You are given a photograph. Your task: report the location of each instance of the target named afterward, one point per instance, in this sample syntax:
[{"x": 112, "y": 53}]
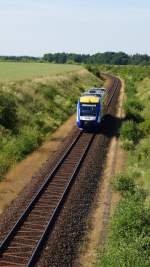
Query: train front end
[{"x": 88, "y": 111}]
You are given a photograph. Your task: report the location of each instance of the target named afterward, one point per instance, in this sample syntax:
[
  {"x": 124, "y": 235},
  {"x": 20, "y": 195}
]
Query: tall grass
[
  {"x": 36, "y": 108},
  {"x": 128, "y": 239}
]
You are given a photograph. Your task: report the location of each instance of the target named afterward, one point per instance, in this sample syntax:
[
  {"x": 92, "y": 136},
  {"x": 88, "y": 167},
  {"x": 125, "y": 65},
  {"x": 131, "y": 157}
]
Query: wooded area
[{"x": 113, "y": 58}]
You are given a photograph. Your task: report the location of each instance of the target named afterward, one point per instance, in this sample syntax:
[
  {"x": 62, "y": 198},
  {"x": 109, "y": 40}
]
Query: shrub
[
  {"x": 18, "y": 147},
  {"x": 5, "y": 136},
  {"x": 128, "y": 145},
  {"x": 131, "y": 131},
  {"x": 8, "y": 110},
  {"x": 124, "y": 183},
  {"x": 94, "y": 69},
  {"x": 145, "y": 126},
  {"x": 4, "y": 165},
  {"x": 134, "y": 103},
  {"x": 28, "y": 141},
  {"x": 130, "y": 88},
  {"x": 133, "y": 114},
  {"x": 48, "y": 92},
  {"x": 132, "y": 108}
]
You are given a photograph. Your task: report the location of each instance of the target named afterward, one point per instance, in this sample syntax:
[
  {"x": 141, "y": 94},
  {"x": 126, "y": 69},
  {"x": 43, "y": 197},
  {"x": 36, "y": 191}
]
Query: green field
[{"x": 12, "y": 71}]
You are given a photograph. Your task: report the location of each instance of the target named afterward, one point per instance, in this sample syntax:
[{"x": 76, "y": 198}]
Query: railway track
[{"x": 22, "y": 245}]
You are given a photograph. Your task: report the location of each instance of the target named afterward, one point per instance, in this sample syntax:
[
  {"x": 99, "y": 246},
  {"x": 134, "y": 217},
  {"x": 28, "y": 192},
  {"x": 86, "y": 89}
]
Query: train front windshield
[{"x": 88, "y": 110}]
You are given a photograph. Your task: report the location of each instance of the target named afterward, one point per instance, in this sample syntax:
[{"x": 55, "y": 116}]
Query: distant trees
[
  {"x": 20, "y": 59},
  {"x": 57, "y": 58},
  {"x": 113, "y": 58},
  {"x": 66, "y": 58},
  {"x": 138, "y": 59}
]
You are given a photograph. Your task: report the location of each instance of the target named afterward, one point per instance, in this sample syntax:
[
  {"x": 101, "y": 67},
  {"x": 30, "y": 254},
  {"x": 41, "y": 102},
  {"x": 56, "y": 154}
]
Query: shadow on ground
[{"x": 109, "y": 126}]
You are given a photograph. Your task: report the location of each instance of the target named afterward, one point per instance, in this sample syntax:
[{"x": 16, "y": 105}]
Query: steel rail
[
  {"x": 56, "y": 211},
  {"x": 11, "y": 233},
  {"x": 59, "y": 206}
]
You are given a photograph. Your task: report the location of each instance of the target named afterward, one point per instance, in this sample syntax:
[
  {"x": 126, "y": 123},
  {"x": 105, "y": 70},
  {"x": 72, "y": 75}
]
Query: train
[{"x": 90, "y": 107}]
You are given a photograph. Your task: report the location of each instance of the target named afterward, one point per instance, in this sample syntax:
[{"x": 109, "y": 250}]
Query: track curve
[{"x": 22, "y": 244}]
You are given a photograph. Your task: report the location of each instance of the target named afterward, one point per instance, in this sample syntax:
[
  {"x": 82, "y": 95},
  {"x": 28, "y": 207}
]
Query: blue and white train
[{"x": 90, "y": 108}]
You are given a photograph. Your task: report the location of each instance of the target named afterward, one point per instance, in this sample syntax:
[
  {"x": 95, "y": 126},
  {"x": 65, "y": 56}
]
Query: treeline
[
  {"x": 113, "y": 58},
  {"x": 20, "y": 58}
]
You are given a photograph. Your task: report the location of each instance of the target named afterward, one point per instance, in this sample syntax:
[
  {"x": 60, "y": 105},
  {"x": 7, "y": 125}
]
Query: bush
[
  {"x": 145, "y": 126},
  {"x": 28, "y": 141},
  {"x": 8, "y": 110},
  {"x": 132, "y": 109},
  {"x": 48, "y": 92},
  {"x": 4, "y": 165},
  {"x": 94, "y": 69},
  {"x": 131, "y": 131},
  {"x": 18, "y": 147},
  {"x": 124, "y": 183},
  {"x": 133, "y": 114},
  {"x": 134, "y": 103},
  {"x": 130, "y": 88},
  {"x": 128, "y": 145}
]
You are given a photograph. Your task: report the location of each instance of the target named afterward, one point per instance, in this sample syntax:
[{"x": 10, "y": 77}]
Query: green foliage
[
  {"x": 133, "y": 108},
  {"x": 28, "y": 141},
  {"x": 8, "y": 110},
  {"x": 133, "y": 114},
  {"x": 134, "y": 103},
  {"x": 124, "y": 183},
  {"x": 130, "y": 88},
  {"x": 116, "y": 58},
  {"x": 17, "y": 147},
  {"x": 131, "y": 131},
  {"x": 145, "y": 126},
  {"x": 94, "y": 69},
  {"x": 128, "y": 241},
  {"x": 4, "y": 166}
]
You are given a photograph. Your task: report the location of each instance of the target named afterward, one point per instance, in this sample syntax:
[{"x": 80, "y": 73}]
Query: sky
[{"x": 36, "y": 27}]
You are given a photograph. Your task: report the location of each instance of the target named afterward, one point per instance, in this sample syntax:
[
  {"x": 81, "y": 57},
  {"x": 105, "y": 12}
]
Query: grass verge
[{"x": 128, "y": 240}]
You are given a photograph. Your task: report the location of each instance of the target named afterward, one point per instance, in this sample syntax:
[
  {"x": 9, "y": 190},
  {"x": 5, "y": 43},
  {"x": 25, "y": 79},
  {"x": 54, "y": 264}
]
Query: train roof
[
  {"x": 98, "y": 88},
  {"x": 89, "y": 99},
  {"x": 98, "y": 91}
]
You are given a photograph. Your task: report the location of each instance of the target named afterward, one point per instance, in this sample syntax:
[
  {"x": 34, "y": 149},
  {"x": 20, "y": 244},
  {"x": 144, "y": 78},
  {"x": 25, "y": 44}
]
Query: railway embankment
[{"x": 38, "y": 107}]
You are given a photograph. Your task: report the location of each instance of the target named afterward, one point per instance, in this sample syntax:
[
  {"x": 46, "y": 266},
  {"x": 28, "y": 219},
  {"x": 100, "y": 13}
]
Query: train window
[{"x": 87, "y": 110}]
